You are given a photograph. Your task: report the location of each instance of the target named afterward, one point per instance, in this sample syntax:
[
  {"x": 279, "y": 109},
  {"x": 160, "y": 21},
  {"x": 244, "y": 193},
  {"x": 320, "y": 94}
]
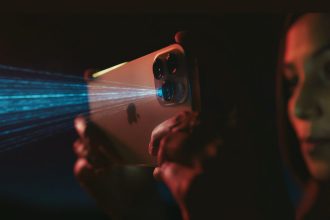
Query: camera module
[
  {"x": 172, "y": 62},
  {"x": 158, "y": 69}
]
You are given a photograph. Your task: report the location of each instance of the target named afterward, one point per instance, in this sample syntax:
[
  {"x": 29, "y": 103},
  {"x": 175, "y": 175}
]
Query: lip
[{"x": 313, "y": 142}]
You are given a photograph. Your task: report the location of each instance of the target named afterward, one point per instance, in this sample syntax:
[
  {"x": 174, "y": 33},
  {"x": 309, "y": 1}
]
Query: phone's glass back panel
[{"x": 127, "y": 102}]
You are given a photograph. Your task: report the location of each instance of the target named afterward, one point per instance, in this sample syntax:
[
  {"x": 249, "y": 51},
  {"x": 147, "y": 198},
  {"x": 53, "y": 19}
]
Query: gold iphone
[{"x": 129, "y": 100}]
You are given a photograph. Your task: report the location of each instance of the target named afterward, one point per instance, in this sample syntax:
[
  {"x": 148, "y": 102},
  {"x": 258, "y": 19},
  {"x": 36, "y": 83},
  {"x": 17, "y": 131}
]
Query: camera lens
[
  {"x": 158, "y": 69},
  {"x": 168, "y": 90},
  {"x": 172, "y": 62},
  {"x": 179, "y": 92}
]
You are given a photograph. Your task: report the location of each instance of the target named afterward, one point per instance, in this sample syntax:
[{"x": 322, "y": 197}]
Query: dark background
[{"x": 37, "y": 180}]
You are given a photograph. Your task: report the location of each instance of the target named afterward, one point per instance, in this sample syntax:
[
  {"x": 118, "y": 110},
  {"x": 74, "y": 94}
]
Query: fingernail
[
  {"x": 157, "y": 174},
  {"x": 80, "y": 124}
]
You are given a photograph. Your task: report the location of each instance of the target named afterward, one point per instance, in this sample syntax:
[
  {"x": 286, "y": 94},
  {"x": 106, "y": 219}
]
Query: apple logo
[{"x": 132, "y": 115}]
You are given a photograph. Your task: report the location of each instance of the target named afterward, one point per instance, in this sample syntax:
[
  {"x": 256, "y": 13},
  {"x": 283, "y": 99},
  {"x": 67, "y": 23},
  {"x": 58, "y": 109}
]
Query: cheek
[
  {"x": 319, "y": 169},
  {"x": 291, "y": 104},
  {"x": 295, "y": 122},
  {"x": 301, "y": 127}
]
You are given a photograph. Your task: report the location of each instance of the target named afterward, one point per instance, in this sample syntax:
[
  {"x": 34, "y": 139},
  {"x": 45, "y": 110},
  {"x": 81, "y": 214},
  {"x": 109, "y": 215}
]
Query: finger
[
  {"x": 181, "y": 37},
  {"x": 97, "y": 158},
  {"x": 83, "y": 170},
  {"x": 92, "y": 152},
  {"x": 161, "y": 157},
  {"x": 173, "y": 148},
  {"x": 157, "y": 173},
  {"x": 162, "y": 130},
  {"x": 187, "y": 121},
  {"x": 112, "y": 156},
  {"x": 158, "y": 133},
  {"x": 102, "y": 142},
  {"x": 177, "y": 147},
  {"x": 170, "y": 171},
  {"x": 79, "y": 148},
  {"x": 80, "y": 125},
  {"x": 188, "y": 40},
  {"x": 106, "y": 150},
  {"x": 178, "y": 178},
  {"x": 174, "y": 173},
  {"x": 182, "y": 115}
]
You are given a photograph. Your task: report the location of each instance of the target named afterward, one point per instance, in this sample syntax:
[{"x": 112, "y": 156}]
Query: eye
[
  {"x": 291, "y": 79},
  {"x": 291, "y": 83}
]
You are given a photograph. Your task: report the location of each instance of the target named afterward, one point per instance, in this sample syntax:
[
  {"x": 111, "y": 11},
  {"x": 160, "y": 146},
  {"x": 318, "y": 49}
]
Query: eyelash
[{"x": 291, "y": 83}]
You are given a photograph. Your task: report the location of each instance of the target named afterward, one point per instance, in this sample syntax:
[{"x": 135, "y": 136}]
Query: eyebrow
[
  {"x": 317, "y": 53},
  {"x": 321, "y": 50}
]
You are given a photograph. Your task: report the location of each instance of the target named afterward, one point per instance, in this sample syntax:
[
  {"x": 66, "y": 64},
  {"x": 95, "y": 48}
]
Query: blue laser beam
[
  {"x": 20, "y": 83},
  {"x": 33, "y": 136},
  {"x": 45, "y": 101},
  {"x": 38, "y": 104},
  {"x": 51, "y": 121},
  {"x": 7, "y": 68},
  {"x": 41, "y": 132},
  {"x": 62, "y": 111},
  {"x": 12, "y": 118}
]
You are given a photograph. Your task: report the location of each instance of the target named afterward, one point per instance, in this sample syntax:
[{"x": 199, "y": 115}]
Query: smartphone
[{"x": 127, "y": 101}]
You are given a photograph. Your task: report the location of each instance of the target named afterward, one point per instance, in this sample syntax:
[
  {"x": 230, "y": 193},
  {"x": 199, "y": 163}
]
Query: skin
[
  {"x": 122, "y": 192},
  {"x": 307, "y": 67},
  {"x": 166, "y": 143},
  {"x": 178, "y": 166},
  {"x": 179, "y": 163}
]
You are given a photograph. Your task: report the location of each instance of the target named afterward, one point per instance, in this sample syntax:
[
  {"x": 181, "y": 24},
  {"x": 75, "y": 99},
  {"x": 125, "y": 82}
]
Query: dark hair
[{"x": 288, "y": 142}]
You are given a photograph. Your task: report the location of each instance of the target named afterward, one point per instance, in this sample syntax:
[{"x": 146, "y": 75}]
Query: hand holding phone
[
  {"x": 127, "y": 101},
  {"x": 172, "y": 156},
  {"x": 123, "y": 192}
]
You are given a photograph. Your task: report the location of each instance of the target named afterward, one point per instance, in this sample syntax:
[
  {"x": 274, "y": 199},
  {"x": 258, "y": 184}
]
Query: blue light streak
[
  {"x": 38, "y": 104},
  {"x": 159, "y": 92}
]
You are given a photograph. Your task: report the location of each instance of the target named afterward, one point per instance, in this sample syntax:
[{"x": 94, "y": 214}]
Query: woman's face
[{"x": 307, "y": 68}]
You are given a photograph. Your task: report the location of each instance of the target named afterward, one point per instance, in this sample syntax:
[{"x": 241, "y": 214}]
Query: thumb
[{"x": 177, "y": 177}]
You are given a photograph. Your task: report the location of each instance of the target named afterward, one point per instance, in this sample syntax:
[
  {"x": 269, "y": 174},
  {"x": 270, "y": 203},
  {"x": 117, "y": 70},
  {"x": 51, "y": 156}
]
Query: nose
[{"x": 307, "y": 106}]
